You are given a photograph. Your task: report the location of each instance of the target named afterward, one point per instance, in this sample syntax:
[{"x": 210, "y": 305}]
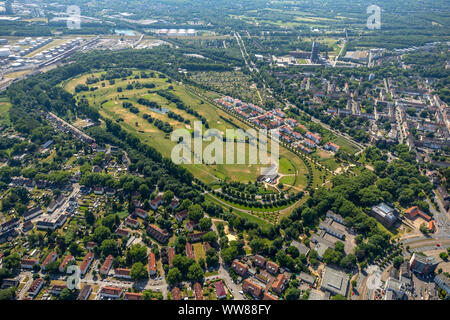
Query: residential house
[
  {"x": 180, "y": 216},
  {"x": 10, "y": 224},
  {"x": 8, "y": 283},
  {"x": 313, "y": 136},
  {"x": 86, "y": 263},
  {"x": 193, "y": 237},
  {"x": 310, "y": 143},
  {"x": 85, "y": 292},
  {"x": 66, "y": 260},
  {"x": 220, "y": 290},
  {"x": 259, "y": 261},
  {"x": 176, "y": 293},
  {"x": 268, "y": 296},
  {"x": 240, "y": 268},
  {"x": 332, "y": 146},
  {"x": 174, "y": 204},
  {"x": 189, "y": 251},
  {"x": 111, "y": 292},
  {"x": 198, "y": 291},
  {"x": 27, "y": 226},
  {"x": 170, "y": 255},
  {"x": 90, "y": 245},
  {"x": 122, "y": 273},
  {"x": 35, "y": 287},
  {"x": 52, "y": 256},
  {"x": 158, "y": 233},
  {"x": 272, "y": 267},
  {"x": 133, "y": 296},
  {"x": 110, "y": 191},
  {"x": 28, "y": 263},
  {"x": 57, "y": 289},
  {"x": 191, "y": 225},
  {"x": 32, "y": 213},
  {"x": 132, "y": 222},
  {"x": 99, "y": 190},
  {"x": 252, "y": 288},
  {"x": 123, "y": 233},
  {"x": 280, "y": 283},
  {"x": 106, "y": 266},
  {"x": 141, "y": 213},
  {"x": 156, "y": 202},
  {"x": 152, "y": 264}
]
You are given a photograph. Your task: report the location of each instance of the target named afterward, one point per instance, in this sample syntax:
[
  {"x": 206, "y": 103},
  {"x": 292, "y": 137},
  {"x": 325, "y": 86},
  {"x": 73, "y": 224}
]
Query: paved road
[
  {"x": 442, "y": 218},
  {"x": 25, "y": 288},
  {"x": 223, "y": 274}
]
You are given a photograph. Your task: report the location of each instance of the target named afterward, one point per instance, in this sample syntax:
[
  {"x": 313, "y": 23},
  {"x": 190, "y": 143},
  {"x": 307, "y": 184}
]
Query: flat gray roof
[{"x": 335, "y": 281}]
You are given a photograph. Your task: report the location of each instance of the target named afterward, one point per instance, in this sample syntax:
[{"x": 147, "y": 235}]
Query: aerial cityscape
[{"x": 224, "y": 150}]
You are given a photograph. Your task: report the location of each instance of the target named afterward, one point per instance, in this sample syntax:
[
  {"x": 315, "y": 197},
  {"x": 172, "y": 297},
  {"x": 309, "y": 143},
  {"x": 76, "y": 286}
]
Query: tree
[
  {"x": 338, "y": 297},
  {"x": 257, "y": 245},
  {"x": 90, "y": 218},
  {"x": 210, "y": 237},
  {"x": 182, "y": 263},
  {"x": 149, "y": 295},
  {"x": 168, "y": 196},
  {"x": 292, "y": 294},
  {"x": 5, "y": 273},
  {"x": 137, "y": 253},
  {"x": 138, "y": 271},
  {"x": 293, "y": 251},
  {"x": 12, "y": 261},
  {"x": 205, "y": 224},
  {"x": 212, "y": 259},
  {"x": 195, "y": 212},
  {"x": 52, "y": 267},
  {"x": 398, "y": 262},
  {"x": 8, "y": 294},
  {"x": 101, "y": 233},
  {"x": 75, "y": 249},
  {"x": 109, "y": 221},
  {"x": 174, "y": 276},
  {"x": 443, "y": 255},
  {"x": 348, "y": 262},
  {"x": 144, "y": 190},
  {"x": 109, "y": 246},
  {"x": 424, "y": 229},
  {"x": 67, "y": 294},
  {"x": 195, "y": 272}
]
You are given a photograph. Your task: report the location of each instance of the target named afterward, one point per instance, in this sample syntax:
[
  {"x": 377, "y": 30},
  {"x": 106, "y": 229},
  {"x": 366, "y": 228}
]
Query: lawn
[
  {"x": 4, "y": 111},
  {"x": 286, "y": 166},
  {"x": 199, "y": 252}
]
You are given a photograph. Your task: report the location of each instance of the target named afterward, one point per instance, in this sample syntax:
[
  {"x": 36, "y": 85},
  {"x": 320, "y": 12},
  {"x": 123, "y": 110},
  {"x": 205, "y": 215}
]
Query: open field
[
  {"x": 199, "y": 252},
  {"x": 4, "y": 111}
]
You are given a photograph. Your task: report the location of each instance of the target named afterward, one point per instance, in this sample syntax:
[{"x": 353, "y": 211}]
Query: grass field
[
  {"x": 4, "y": 112},
  {"x": 109, "y": 103},
  {"x": 199, "y": 252}
]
